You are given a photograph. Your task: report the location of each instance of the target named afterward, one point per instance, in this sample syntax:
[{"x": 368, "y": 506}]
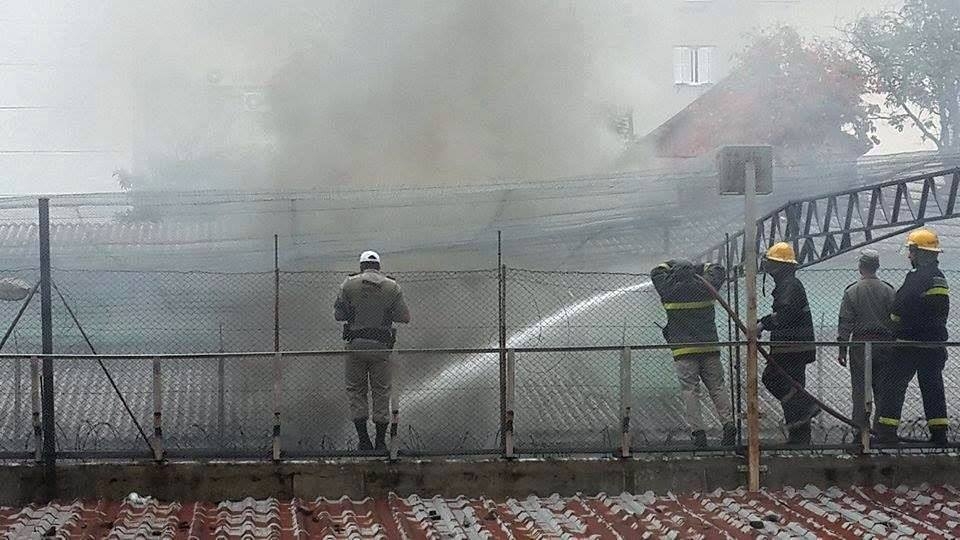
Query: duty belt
[{"x": 387, "y": 336}]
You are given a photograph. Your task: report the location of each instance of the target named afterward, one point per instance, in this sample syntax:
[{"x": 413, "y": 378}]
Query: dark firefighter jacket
[
  {"x": 921, "y": 305},
  {"x": 689, "y": 305},
  {"x": 790, "y": 321}
]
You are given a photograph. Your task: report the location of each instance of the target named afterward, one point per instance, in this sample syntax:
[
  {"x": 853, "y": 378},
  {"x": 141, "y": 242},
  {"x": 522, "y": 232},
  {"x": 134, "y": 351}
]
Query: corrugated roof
[{"x": 922, "y": 512}]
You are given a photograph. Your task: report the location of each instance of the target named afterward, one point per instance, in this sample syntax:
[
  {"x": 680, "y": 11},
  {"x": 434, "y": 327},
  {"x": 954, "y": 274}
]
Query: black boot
[
  {"x": 729, "y": 435},
  {"x": 381, "y": 437},
  {"x": 362, "y": 435},
  {"x": 799, "y": 434},
  {"x": 886, "y": 434},
  {"x": 938, "y": 435},
  {"x": 699, "y": 438},
  {"x": 807, "y": 409}
]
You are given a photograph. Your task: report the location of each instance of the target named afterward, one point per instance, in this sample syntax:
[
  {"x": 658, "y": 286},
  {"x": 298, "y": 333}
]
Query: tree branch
[{"x": 926, "y": 132}]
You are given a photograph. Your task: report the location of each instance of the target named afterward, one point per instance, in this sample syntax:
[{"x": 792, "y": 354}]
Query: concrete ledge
[{"x": 215, "y": 481}]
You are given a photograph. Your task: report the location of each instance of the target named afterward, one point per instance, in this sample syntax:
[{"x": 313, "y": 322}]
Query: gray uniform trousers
[
  {"x": 374, "y": 368},
  {"x": 708, "y": 368}
]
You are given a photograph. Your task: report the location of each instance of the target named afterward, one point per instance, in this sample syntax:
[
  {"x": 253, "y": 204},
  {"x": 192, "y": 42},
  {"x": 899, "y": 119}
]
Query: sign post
[{"x": 748, "y": 171}]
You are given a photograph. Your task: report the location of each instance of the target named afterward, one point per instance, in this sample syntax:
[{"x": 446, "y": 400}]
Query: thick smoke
[
  {"x": 459, "y": 91},
  {"x": 409, "y": 92}
]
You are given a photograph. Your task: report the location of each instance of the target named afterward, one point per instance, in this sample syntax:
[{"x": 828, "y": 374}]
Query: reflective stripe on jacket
[{"x": 688, "y": 304}]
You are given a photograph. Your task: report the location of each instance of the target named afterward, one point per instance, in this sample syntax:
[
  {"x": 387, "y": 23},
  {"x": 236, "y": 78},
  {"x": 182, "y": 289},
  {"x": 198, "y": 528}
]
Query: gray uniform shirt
[
  {"x": 371, "y": 300},
  {"x": 865, "y": 310}
]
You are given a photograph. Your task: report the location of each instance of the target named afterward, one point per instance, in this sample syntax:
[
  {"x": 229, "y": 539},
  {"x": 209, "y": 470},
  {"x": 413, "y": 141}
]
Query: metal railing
[{"x": 277, "y": 405}]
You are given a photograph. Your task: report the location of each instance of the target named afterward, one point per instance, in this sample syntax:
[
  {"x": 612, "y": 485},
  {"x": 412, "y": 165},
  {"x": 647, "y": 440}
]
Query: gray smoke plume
[{"x": 392, "y": 93}]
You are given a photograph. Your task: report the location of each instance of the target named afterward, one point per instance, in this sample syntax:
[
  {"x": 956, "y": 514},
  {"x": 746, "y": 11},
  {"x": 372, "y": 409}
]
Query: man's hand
[{"x": 842, "y": 360}]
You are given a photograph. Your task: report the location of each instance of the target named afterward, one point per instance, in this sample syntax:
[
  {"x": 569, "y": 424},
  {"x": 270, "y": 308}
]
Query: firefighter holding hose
[
  {"x": 691, "y": 324},
  {"x": 790, "y": 325}
]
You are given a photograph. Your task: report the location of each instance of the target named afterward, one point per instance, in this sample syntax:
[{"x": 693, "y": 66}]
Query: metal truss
[{"x": 825, "y": 226}]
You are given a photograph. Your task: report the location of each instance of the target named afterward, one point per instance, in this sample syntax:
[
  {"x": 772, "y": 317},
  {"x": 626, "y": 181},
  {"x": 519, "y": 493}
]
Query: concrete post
[
  {"x": 867, "y": 396},
  {"x": 35, "y": 405},
  {"x": 509, "y": 403},
  {"x": 157, "y": 442},
  {"x": 277, "y": 375},
  {"x": 394, "y": 445},
  {"x": 625, "y": 401}
]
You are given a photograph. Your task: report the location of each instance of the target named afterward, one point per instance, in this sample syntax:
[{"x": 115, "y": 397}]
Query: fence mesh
[
  {"x": 566, "y": 401},
  {"x": 831, "y": 382}
]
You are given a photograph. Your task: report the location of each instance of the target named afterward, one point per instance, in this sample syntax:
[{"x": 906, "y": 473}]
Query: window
[{"x": 692, "y": 65}]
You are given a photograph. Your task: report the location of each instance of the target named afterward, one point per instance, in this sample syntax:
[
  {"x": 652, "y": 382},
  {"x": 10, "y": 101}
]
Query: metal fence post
[
  {"x": 157, "y": 442},
  {"x": 221, "y": 374},
  {"x": 221, "y": 398},
  {"x": 737, "y": 362},
  {"x": 46, "y": 323},
  {"x": 867, "y": 396},
  {"x": 502, "y": 331},
  {"x": 277, "y": 374},
  {"x": 508, "y": 402},
  {"x": 728, "y": 268},
  {"x": 35, "y": 405},
  {"x": 276, "y": 292},
  {"x": 626, "y": 394},
  {"x": 17, "y": 397}
]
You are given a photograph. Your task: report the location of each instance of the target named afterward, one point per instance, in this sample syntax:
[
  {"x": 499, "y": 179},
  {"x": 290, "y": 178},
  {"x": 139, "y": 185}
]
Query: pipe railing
[{"x": 621, "y": 435}]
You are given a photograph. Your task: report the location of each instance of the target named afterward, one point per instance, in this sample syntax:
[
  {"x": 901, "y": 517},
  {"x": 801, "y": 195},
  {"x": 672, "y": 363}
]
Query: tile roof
[{"x": 922, "y": 512}]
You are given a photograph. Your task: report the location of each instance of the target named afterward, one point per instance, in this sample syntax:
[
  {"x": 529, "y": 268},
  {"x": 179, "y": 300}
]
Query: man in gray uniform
[
  {"x": 864, "y": 316},
  {"x": 369, "y": 303}
]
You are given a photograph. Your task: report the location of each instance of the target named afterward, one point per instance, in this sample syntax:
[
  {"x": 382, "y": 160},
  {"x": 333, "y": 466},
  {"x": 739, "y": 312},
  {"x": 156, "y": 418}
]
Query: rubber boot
[
  {"x": 699, "y": 438},
  {"x": 808, "y": 409},
  {"x": 886, "y": 434},
  {"x": 381, "y": 437},
  {"x": 362, "y": 435},
  {"x": 938, "y": 435},
  {"x": 729, "y": 434},
  {"x": 799, "y": 434}
]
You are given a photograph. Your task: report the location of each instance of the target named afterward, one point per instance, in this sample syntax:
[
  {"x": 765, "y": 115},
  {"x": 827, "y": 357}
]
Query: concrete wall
[{"x": 191, "y": 481}]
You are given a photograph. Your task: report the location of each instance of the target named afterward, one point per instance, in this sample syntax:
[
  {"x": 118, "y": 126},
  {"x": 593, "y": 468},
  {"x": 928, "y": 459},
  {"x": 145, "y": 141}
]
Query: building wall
[{"x": 724, "y": 25}]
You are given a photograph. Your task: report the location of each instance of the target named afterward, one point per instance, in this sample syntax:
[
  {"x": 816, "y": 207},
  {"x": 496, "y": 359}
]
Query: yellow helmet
[
  {"x": 782, "y": 252},
  {"x": 924, "y": 239}
]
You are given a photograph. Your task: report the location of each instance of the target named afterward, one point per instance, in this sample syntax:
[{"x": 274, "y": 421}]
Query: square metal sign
[{"x": 732, "y": 165}]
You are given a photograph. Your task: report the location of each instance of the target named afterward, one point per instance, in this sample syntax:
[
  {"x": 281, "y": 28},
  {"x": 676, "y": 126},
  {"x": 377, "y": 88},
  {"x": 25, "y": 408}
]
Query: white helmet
[{"x": 370, "y": 257}]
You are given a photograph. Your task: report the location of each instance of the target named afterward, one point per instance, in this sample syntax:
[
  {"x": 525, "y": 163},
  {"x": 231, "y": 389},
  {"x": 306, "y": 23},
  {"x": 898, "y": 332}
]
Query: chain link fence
[{"x": 567, "y": 400}]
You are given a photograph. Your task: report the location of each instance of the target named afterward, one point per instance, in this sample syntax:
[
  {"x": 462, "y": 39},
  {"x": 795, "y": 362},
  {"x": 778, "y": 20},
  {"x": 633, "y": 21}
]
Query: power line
[
  {"x": 31, "y": 107},
  {"x": 63, "y": 151}
]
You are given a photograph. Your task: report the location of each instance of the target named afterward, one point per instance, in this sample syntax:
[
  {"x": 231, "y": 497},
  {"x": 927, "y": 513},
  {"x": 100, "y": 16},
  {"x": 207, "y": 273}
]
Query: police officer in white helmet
[{"x": 369, "y": 303}]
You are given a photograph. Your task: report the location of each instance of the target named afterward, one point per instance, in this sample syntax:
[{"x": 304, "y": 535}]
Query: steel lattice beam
[{"x": 825, "y": 226}]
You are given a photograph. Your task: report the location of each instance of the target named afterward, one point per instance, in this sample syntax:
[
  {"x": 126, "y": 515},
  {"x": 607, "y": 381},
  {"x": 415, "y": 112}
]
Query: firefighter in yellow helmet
[
  {"x": 790, "y": 325},
  {"x": 919, "y": 315}
]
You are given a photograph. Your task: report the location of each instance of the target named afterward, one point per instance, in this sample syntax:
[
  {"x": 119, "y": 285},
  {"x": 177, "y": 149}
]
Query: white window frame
[{"x": 693, "y": 65}]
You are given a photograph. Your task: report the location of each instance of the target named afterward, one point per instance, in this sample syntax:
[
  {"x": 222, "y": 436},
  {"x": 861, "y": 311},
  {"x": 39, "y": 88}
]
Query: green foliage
[
  {"x": 810, "y": 90},
  {"x": 912, "y": 56}
]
